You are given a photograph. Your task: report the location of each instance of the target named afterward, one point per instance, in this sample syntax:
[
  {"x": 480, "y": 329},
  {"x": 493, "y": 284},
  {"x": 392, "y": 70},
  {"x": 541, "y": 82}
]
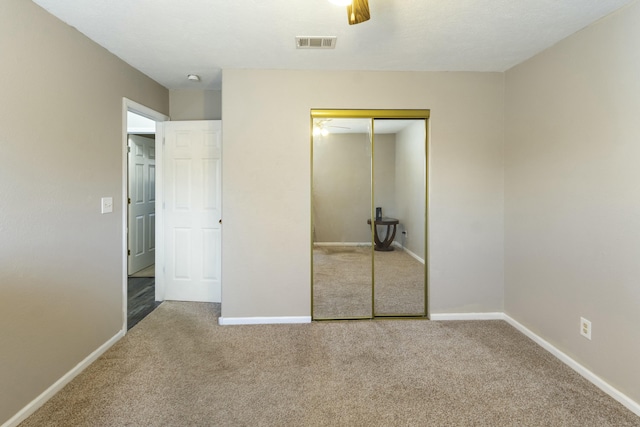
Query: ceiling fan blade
[{"x": 358, "y": 12}]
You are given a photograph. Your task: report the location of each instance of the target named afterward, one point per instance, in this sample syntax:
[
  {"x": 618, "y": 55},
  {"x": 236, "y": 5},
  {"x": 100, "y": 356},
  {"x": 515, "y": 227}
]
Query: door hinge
[
  {"x": 128, "y": 251},
  {"x": 129, "y": 200},
  {"x": 128, "y": 149}
]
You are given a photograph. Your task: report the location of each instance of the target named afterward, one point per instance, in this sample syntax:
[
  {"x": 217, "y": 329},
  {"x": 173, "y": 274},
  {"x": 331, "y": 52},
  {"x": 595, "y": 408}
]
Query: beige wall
[
  {"x": 572, "y": 209},
  {"x": 266, "y": 182},
  {"x": 194, "y": 104},
  {"x": 410, "y": 187},
  {"x": 60, "y": 151},
  {"x": 342, "y": 185}
]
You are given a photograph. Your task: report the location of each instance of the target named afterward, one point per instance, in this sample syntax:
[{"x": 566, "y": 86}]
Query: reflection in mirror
[
  {"x": 369, "y": 213},
  {"x": 341, "y": 200},
  {"x": 400, "y": 196}
]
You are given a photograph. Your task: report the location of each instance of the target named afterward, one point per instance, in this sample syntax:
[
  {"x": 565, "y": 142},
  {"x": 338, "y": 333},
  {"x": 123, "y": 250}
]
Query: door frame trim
[{"x": 134, "y": 107}]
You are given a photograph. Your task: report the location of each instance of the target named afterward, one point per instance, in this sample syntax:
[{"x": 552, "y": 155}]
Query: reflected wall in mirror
[
  {"x": 341, "y": 201},
  {"x": 369, "y": 192}
]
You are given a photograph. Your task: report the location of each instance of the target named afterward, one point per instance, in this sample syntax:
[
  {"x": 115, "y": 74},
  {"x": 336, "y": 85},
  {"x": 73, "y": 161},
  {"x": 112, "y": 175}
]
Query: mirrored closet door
[
  {"x": 369, "y": 210},
  {"x": 341, "y": 203}
]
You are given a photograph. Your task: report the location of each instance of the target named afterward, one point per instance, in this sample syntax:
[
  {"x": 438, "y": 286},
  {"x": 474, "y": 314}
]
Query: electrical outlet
[
  {"x": 585, "y": 328},
  {"x": 405, "y": 233}
]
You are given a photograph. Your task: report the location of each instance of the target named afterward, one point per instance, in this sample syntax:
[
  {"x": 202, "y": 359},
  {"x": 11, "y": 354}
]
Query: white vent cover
[{"x": 312, "y": 42}]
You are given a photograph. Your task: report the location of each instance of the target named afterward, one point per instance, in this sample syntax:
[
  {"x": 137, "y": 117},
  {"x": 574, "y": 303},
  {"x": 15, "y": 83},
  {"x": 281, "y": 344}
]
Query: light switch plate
[{"x": 107, "y": 205}]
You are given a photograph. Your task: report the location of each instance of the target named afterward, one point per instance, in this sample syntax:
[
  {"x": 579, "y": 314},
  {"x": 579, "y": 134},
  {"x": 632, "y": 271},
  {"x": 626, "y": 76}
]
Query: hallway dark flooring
[{"x": 140, "y": 299}]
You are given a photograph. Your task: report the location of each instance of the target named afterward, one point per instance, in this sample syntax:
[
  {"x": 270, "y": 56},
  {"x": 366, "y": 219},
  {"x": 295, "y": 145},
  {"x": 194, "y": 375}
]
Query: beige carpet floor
[
  {"x": 342, "y": 283},
  {"x": 177, "y": 367}
]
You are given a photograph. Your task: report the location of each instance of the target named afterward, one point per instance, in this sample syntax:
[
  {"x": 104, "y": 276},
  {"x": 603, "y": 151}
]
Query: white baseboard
[
  {"x": 223, "y": 321},
  {"x": 593, "y": 378},
  {"x": 466, "y": 316},
  {"x": 342, "y": 244},
  {"x": 410, "y": 253},
  {"x": 58, "y": 385}
]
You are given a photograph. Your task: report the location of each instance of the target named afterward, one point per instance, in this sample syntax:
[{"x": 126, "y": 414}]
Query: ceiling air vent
[{"x": 308, "y": 42}]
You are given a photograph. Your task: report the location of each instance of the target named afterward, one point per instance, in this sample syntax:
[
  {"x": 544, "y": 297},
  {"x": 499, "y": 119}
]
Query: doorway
[
  {"x": 140, "y": 165},
  {"x": 141, "y": 146}
]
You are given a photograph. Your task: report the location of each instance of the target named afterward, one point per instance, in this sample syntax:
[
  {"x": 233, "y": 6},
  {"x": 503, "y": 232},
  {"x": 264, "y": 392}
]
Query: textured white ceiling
[{"x": 168, "y": 39}]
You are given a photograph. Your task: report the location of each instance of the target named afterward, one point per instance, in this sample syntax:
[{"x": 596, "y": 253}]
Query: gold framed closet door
[{"x": 369, "y": 203}]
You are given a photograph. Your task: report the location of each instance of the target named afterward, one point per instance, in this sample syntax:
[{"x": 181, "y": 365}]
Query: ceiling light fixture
[
  {"x": 193, "y": 78},
  {"x": 319, "y": 130},
  {"x": 358, "y": 12}
]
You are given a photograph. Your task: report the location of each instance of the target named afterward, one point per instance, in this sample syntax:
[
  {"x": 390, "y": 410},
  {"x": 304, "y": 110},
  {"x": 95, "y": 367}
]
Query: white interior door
[
  {"x": 192, "y": 214},
  {"x": 142, "y": 202}
]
